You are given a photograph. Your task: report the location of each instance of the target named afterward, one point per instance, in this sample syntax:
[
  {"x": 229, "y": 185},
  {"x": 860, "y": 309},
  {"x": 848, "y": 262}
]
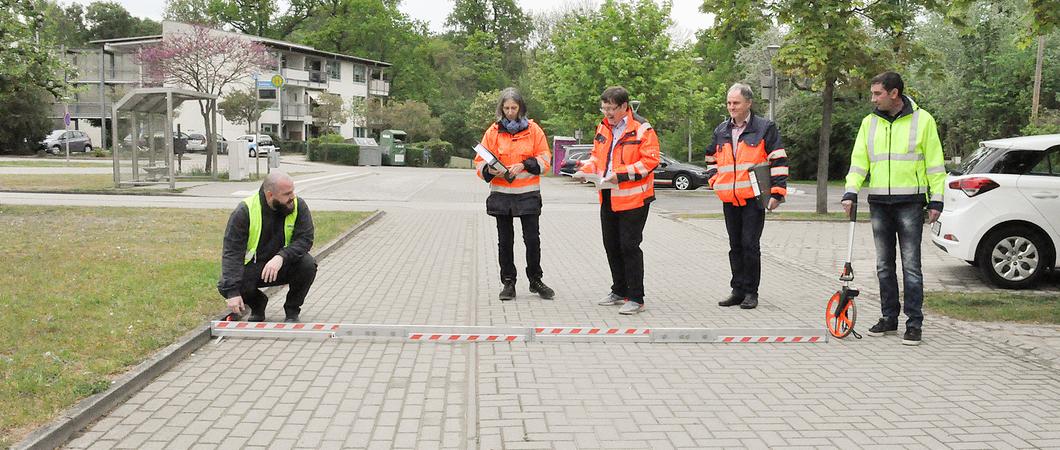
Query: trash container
[
  {"x": 392, "y": 143},
  {"x": 274, "y": 158}
]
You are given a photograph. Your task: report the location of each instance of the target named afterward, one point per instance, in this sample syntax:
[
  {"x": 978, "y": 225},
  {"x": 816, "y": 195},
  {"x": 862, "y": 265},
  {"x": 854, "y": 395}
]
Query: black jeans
[
  {"x": 901, "y": 224},
  {"x": 298, "y": 274},
  {"x": 506, "y": 246},
  {"x": 623, "y": 232},
  {"x": 744, "y": 225}
]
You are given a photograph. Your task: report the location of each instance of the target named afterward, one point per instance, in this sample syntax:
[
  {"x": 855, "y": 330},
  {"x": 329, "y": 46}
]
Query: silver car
[
  {"x": 197, "y": 143},
  {"x": 56, "y": 142}
]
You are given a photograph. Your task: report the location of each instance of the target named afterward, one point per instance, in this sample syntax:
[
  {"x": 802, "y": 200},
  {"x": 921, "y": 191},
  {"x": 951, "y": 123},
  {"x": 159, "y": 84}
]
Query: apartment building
[{"x": 105, "y": 73}]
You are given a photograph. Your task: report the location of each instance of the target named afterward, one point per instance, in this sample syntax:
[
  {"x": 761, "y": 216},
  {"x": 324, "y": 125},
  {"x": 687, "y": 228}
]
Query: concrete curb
[{"x": 71, "y": 421}]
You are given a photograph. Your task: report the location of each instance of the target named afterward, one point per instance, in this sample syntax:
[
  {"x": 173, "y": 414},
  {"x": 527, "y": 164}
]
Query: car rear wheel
[
  {"x": 88, "y": 148},
  {"x": 683, "y": 182},
  {"x": 253, "y": 153},
  {"x": 1013, "y": 257}
]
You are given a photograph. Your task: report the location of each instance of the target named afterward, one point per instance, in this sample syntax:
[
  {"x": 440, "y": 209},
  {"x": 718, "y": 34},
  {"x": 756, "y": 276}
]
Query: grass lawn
[
  {"x": 999, "y": 306},
  {"x": 788, "y": 216},
  {"x": 87, "y": 293},
  {"x": 57, "y": 182},
  {"x": 45, "y": 163}
]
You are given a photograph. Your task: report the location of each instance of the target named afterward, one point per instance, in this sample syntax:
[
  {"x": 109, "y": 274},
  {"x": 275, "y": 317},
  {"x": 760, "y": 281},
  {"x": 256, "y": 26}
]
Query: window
[
  {"x": 268, "y": 128},
  {"x": 267, "y": 94},
  {"x": 360, "y": 132},
  {"x": 1019, "y": 162},
  {"x": 358, "y": 73},
  {"x": 1054, "y": 160},
  {"x": 334, "y": 70}
]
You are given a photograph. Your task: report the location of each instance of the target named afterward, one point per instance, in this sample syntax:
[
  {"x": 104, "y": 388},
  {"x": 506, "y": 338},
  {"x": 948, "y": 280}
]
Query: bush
[
  {"x": 347, "y": 154},
  {"x": 313, "y": 148},
  {"x": 287, "y": 147},
  {"x": 438, "y": 150}
]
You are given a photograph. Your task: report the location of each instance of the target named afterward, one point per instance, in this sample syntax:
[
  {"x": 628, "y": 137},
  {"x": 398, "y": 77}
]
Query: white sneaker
[
  {"x": 631, "y": 308},
  {"x": 612, "y": 300}
]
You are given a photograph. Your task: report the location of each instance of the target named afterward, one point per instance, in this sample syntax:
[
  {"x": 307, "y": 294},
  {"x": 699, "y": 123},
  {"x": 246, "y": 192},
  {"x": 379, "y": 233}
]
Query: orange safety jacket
[
  {"x": 727, "y": 168},
  {"x": 529, "y": 147},
  {"x": 635, "y": 157}
]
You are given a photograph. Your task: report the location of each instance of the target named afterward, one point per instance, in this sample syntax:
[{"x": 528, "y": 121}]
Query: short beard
[{"x": 281, "y": 208}]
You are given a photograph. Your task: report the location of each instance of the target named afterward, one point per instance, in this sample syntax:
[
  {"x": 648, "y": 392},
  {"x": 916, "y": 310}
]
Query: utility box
[
  {"x": 392, "y": 142},
  {"x": 239, "y": 160},
  {"x": 274, "y": 159}
]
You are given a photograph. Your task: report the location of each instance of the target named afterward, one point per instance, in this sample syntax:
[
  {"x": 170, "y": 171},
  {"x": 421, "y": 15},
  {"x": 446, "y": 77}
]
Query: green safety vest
[
  {"x": 254, "y": 235},
  {"x": 904, "y": 157}
]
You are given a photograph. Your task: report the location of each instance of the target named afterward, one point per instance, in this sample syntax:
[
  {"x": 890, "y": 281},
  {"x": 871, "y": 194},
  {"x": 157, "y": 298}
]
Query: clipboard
[
  {"x": 493, "y": 162},
  {"x": 760, "y": 183}
]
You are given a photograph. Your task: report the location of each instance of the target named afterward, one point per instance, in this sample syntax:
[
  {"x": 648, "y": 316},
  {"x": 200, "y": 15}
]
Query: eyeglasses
[{"x": 609, "y": 109}]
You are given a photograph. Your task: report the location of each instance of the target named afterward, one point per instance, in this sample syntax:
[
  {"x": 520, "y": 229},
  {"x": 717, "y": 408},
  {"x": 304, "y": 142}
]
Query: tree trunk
[
  {"x": 1036, "y": 95},
  {"x": 828, "y": 103},
  {"x": 205, "y": 111}
]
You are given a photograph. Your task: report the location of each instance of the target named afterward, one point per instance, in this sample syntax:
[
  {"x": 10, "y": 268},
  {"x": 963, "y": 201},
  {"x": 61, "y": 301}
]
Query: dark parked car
[
  {"x": 56, "y": 141},
  {"x": 682, "y": 176}
]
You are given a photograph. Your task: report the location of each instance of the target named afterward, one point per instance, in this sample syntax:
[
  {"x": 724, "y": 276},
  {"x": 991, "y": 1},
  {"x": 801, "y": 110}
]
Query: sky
[{"x": 685, "y": 12}]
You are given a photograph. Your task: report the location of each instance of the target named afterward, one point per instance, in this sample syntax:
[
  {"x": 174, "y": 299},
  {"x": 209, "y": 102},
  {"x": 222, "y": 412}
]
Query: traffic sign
[
  {"x": 278, "y": 80},
  {"x": 66, "y": 119}
]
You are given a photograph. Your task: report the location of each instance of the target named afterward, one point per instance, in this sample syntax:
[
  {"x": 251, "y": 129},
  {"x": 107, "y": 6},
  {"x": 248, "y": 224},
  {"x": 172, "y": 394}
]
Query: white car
[
  {"x": 1002, "y": 210},
  {"x": 260, "y": 146}
]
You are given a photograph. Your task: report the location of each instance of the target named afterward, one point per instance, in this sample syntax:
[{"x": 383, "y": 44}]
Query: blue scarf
[{"x": 514, "y": 126}]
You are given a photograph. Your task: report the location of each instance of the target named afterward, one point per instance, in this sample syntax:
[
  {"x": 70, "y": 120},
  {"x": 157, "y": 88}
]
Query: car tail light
[{"x": 974, "y": 186}]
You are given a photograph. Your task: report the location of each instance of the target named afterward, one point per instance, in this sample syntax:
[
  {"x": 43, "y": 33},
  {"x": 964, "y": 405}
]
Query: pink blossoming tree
[{"x": 203, "y": 60}]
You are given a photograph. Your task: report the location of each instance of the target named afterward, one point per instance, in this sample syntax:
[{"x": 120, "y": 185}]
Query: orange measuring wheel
[{"x": 841, "y": 314}]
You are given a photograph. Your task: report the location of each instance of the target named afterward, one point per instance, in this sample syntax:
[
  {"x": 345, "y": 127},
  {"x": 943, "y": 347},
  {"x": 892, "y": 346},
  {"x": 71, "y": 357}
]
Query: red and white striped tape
[
  {"x": 768, "y": 339},
  {"x": 586, "y": 331},
  {"x": 443, "y": 337},
  {"x": 323, "y": 327}
]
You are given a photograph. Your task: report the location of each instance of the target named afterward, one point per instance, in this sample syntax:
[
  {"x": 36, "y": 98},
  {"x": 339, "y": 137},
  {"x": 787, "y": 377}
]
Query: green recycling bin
[{"x": 393, "y": 144}]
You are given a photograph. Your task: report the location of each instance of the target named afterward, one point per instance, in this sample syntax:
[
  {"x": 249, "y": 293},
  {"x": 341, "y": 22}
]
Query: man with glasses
[{"x": 625, "y": 152}]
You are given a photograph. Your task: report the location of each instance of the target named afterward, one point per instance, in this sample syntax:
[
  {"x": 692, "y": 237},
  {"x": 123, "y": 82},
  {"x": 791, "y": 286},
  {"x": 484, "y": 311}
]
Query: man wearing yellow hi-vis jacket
[{"x": 898, "y": 150}]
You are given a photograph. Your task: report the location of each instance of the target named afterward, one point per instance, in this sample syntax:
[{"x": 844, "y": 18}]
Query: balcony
[
  {"x": 297, "y": 111},
  {"x": 82, "y": 110},
  {"x": 379, "y": 87},
  {"x": 306, "y": 78}
]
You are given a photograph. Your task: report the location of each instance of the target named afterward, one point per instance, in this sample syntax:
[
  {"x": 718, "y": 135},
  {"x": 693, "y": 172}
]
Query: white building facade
[{"x": 308, "y": 73}]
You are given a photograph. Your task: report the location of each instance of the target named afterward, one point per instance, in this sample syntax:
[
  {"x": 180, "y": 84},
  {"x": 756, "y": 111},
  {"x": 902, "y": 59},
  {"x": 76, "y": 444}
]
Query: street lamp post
[{"x": 772, "y": 49}]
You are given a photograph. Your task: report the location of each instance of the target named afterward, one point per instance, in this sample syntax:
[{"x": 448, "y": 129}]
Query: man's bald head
[
  {"x": 279, "y": 191},
  {"x": 277, "y": 181}
]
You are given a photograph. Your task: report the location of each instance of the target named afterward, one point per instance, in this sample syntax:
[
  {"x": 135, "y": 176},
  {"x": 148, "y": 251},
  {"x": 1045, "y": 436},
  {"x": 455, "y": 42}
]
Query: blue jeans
[{"x": 904, "y": 223}]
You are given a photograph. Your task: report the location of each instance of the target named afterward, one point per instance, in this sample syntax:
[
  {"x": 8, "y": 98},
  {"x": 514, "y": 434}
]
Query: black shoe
[
  {"x": 508, "y": 292},
  {"x": 538, "y": 287},
  {"x": 292, "y": 318},
  {"x": 884, "y": 326},
  {"x": 256, "y": 317},
  {"x": 750, "y": 301},
  {"x": 911, "y": 337},
  {"x": 733, "y": 300}
]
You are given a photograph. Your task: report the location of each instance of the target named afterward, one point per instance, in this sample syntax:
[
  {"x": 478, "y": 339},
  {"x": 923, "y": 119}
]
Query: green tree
[
  {"x": 414, "y": 117},
  {"x": 109, "y": 20},
  {"x": 30, "y": 73},
  {"x": 64, "y": 25},
  {"x": 571, "y": 70},
  {"x": 498, "y": 24},
  {"x": 329, "y": 111},
  {"x": 482, "y": 112},
  {"x": 243, "y": 107},
  {"x": 192, "y": 11},
  {"x": 826, "y": 44}
]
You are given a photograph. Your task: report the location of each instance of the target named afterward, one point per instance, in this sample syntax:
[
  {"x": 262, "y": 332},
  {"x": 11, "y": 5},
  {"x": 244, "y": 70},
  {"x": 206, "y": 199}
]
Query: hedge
[{"x": 347, "y": 154}]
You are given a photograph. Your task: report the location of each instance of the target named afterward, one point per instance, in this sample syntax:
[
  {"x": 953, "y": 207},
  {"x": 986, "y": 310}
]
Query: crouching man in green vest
[{"x": 267, "y": 244}]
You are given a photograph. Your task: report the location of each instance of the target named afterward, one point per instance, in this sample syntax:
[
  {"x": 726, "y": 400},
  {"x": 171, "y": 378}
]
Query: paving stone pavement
[{"x": 959, "y": 389}]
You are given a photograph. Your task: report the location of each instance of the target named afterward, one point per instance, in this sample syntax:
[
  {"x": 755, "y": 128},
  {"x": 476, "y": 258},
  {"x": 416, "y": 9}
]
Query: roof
[
  {"x": 274, "y": 43},
  {"x": 153, "y": 100},
  {"x": 1040, "y": 142}
]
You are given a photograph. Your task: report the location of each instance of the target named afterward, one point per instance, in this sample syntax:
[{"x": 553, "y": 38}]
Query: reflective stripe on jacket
[
  {"x": 254, "y": 235},
  {"x": 727, "y": 168},
  {"x": 903, "y": 155},
  {"x": 635, "y": 157},
  {"x": 521, "y": 196}
]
